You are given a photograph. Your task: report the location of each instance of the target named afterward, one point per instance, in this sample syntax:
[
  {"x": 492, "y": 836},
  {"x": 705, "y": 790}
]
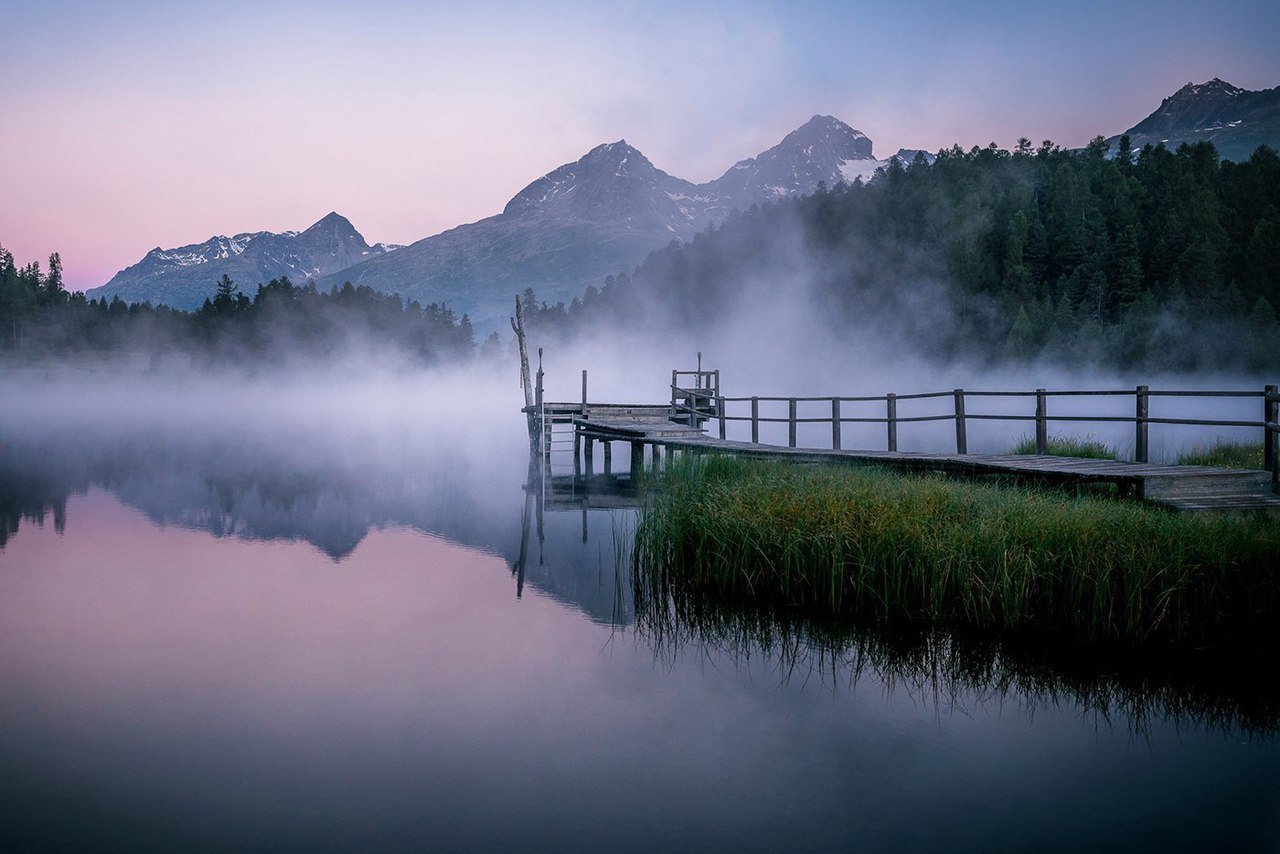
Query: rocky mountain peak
[
  {"x": 1215, "y": 88},
  {"x": 1235, "y": 120},
  {"x": 824, "y": 150},
  {"x": 1198, "y": 107},
  {"x": 330, "y": 222},
  {"x": 593, "y": 184},
  {"x": 830, "y": 133}
]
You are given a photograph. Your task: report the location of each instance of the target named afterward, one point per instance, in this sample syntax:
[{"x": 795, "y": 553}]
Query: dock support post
[
  {"x": 892, "y": 403},
  {"x": 584, "y": 392},
  {"x": 657, "y": 457},
  {"x": 1042, "y": 422},
  {"x": 637, "y": 461},
  {"x": 577, "y": 453},
  {"x": 608, "y": 457},
  {"x": 962, "y": 441},
  {"x": 835, "y": 423},
  {"x": 791, "y": 423},
  {"x": 1270, "y": 415},
  {"x": 755, "y": 420},
  {"x": 587, "y": 462},
  {"x": 1143, "y": 410},
  {"x": 673, "y": 395}
]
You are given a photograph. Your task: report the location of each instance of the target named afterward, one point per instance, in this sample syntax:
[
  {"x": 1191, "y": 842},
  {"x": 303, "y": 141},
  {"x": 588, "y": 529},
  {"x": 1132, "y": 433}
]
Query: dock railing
[
  {"x": 695, "y": 396},
  {"x": 961, "y": 413}
]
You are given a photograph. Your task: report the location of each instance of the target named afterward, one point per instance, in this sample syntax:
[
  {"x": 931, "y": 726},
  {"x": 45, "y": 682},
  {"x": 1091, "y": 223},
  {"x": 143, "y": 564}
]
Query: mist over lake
[{"x": 249, "y": 612}]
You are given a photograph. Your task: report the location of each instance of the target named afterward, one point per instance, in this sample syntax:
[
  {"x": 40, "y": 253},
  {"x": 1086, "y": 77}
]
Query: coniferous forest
[
  {"x": 41, "y": 318},
  {"x": 1150, "y": 259},
  {"x": 1153, "y": 259}
]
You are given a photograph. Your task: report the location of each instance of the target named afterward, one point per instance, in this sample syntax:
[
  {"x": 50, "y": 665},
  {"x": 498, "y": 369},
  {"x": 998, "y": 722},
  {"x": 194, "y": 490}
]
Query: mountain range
[
  {"x": 603, "y": 214},
  {"x": 185, "y": 276},
  {"x": 599, "y": 215}
]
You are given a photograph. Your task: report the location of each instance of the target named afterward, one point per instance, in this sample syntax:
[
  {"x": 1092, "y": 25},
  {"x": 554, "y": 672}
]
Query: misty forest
[{"x": 1150, "y": 259}]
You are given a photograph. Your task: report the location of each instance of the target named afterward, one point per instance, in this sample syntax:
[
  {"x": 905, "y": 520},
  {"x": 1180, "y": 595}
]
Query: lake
[{"x": 266, "y": 620}]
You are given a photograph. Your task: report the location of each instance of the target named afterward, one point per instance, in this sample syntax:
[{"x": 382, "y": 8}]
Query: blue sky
[{"x": 131, "y": 125}]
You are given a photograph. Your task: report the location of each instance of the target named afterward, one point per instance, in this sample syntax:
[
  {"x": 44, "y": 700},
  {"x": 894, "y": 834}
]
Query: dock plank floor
[{"x": 1190, "y": 488}]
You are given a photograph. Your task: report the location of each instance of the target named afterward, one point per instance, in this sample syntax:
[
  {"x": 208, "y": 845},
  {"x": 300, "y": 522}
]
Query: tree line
[
  {"x": 1152, "y": 259},
  {"x": 38, "y": 316}
]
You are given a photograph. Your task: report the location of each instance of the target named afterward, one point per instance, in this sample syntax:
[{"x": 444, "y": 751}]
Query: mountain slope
[
  {"x": 1235, "y": 120},
  {"x": 185, "y": 276},
  {"x": 599, "y": 215}
]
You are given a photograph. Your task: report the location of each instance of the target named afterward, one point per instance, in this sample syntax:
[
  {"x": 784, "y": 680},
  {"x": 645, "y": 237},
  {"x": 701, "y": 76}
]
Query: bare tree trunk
[
  {"x": 535, "y": 418},
  {"x": 517, "y": 326}
]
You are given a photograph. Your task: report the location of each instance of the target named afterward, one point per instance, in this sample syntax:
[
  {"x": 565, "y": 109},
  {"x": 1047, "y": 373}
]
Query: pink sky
[{"x": 142, "y": 125}]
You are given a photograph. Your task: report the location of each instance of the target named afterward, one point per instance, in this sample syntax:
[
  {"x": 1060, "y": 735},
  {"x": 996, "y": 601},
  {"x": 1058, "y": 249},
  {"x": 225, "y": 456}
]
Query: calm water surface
[{"x": 327, "y": 649}]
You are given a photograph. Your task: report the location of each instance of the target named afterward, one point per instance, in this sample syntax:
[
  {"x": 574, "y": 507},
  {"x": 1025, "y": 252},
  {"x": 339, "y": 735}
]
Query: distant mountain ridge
[
  {"x": 601, "y": 214},
  {"x": 183, "y": 277},
  {"x": 1235, "y": 120}
]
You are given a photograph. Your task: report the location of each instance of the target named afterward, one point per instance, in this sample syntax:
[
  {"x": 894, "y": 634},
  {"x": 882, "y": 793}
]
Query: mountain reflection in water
[{"x": 214, "y": 648}]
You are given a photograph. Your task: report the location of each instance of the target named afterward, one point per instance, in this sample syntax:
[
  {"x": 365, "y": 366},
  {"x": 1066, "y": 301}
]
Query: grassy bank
[{"x": 924, "y": 548}]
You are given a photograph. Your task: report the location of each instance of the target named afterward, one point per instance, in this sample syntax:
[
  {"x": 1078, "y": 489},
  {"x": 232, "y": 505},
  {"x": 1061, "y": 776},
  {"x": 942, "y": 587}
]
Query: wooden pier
[{"x": 696, "y": 403}]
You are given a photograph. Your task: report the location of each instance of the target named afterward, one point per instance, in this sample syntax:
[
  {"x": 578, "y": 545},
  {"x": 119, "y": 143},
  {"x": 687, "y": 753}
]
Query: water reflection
[
  {"x": 1216, "y": 690},
  {"x": 332, "y": 496},
  {"x": 573, "y": 544},
  {"x": 230, "y": 649}
]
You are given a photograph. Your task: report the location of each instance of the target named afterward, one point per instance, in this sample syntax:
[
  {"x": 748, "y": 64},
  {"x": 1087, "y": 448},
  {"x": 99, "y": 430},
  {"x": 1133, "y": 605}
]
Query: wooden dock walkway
[{"x": 677, "y": 427}]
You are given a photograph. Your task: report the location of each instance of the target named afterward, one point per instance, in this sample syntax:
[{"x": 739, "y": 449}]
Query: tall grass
[
  {"x": 1069, "y": 446},
  {"x": 1231, "y": 455},
  {"x": 924, "y": 548}
]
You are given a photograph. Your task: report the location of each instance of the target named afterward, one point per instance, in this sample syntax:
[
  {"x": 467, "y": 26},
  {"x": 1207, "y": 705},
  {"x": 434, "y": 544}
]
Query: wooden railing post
[
  {"x": 717, "y": 376},
  {"x": 892, "y": 401},
  {"x": 755, "y": 420},
  {"x": 835, "y": 423},
  {"x": 1042, "y": 422},
  {"x": 720, "y": 412},
  {"x": 584, "y": 392},
  {"x": 962, "y": 442},
  {"x": 1140, "y": 452},
  {"x": 1270, "y": 415},
  {"x": 673, "y": 393},
  {"x": 791, "y": 423},
  {"x": 1275, "y": 460},
  {"x": 544, "y": 446}
]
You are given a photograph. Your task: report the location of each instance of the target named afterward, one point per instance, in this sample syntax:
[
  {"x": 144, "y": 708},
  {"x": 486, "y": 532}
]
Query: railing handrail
[
  {"x": 1141, "y": 418},
  {"x": 968, "y": 393}
]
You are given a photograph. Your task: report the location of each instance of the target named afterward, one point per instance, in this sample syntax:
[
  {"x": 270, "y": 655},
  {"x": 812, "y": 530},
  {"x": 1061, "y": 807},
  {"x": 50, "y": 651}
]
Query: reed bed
[{"x": 912, "y": 548}]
